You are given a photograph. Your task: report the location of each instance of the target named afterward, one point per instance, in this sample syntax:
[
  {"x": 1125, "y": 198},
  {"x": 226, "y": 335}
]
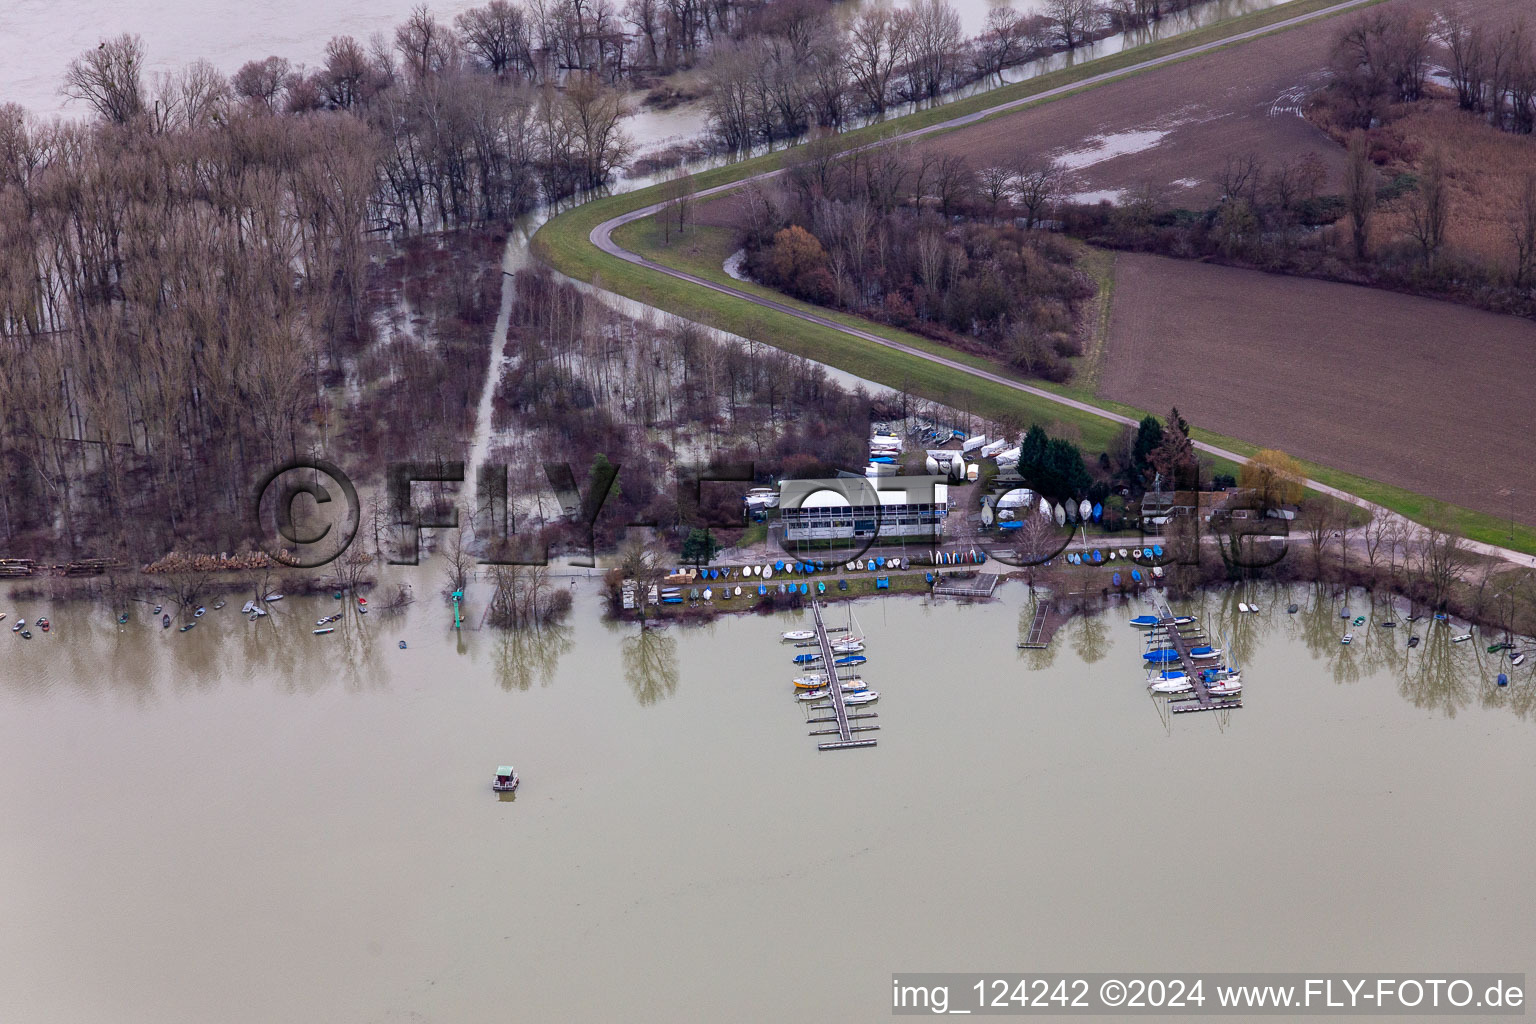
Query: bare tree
[
  {"x": 498, "y": 37},
  {"x": 110, "y": 78},
  {"x": 262, "y": 81},
  {"x": 1440, "y": 560},
  {"x": 1038, "y": 185},
  {"x": 1359, "y": 192},
  {"x": 995, "y": 186},
  {"x": 1073, "y": 20},
  {"x": 1522, "y": 230},
  {"x": 426, "y": 46},
  {"x": 1428, "y": 207},
  {"x": 876, "y": 41}
]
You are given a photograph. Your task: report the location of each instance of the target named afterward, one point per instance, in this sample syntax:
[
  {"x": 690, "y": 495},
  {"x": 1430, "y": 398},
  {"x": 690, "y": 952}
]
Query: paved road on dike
[{"x": 602, "y": 237}]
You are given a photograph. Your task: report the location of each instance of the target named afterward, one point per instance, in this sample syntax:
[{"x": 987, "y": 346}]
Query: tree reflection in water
[
  {"x": 529, "y": 655},
  {"x": 650, "y": 665},
  {"x": 1090, "y": 634}
]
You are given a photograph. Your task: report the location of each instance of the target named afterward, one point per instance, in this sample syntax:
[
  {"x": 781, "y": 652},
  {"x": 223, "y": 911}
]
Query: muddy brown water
[{"x": 250, "y": 823}]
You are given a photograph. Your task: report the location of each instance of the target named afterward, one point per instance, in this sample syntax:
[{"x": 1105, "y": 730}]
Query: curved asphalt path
[{"x": 602, "y": 237}]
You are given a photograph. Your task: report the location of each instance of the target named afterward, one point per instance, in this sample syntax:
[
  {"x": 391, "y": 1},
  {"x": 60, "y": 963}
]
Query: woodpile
[
  {"x": 16, "y": 567},
  {"x": 222, "y": 562},
  {"x": 91, "y": 567}
]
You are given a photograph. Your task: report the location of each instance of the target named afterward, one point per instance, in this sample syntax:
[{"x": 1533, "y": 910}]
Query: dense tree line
[
  {"x": 876, "y": 233},
  {"x": 793, "y": 64}
]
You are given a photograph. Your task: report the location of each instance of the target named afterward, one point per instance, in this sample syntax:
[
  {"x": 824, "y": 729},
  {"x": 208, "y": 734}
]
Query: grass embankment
[{"x": 564, "y": 242}]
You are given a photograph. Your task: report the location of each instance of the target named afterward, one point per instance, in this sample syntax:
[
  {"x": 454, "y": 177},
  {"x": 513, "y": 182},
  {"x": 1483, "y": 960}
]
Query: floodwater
[{"x": 247, "y": 823}]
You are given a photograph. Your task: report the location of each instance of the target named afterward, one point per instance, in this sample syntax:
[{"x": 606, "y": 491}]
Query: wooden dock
[
  {"x": 981, "y": 586},
  {"x": 845, "y": 729},
  {"x": 1035, "y": 640}
]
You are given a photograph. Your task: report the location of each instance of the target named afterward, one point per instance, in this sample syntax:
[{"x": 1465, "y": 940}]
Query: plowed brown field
[{"x": 1430, "y": 396}]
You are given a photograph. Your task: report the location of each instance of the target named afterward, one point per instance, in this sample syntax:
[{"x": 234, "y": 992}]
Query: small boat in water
[
  {"x": 506, "y": 780},
  {"x": 1173, "y": 684},
  {"x": 853, "y": 700},
  {"x": 852, "y": 659},
  {"x": 1144, "y": 621},
  {"x": 848, "y": 647},
  {"x": 1162, "y": 656},
  {"x": 822, "y": 694},
  {"x": 1225, "y": 687},
  {"x": 1204, "y": 653},
  {"x": 1461, "y": 639}
]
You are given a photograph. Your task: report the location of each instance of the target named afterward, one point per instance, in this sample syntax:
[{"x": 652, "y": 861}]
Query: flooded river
[{"x": 250, "y": 823}]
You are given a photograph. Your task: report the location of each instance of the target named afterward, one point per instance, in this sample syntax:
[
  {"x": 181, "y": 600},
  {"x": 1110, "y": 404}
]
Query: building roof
[{"x": 889, "y": 490}]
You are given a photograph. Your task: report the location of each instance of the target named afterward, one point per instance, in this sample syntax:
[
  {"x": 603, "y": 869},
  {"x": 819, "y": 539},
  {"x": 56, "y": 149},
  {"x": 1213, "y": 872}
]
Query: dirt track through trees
[{"x": 1429, "y": 396}]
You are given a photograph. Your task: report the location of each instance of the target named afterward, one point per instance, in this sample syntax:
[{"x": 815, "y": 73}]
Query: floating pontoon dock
[
  {"x": 1193, "y": 670},
  {"x": 840, "y": 715}
]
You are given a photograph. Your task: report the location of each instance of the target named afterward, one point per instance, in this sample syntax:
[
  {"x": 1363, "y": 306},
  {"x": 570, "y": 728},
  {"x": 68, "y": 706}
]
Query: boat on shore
[
  {"x": 323, "y": 630},
  {"x": 1348, "y": 638},
  {"x": 1461, "y": 639}
]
